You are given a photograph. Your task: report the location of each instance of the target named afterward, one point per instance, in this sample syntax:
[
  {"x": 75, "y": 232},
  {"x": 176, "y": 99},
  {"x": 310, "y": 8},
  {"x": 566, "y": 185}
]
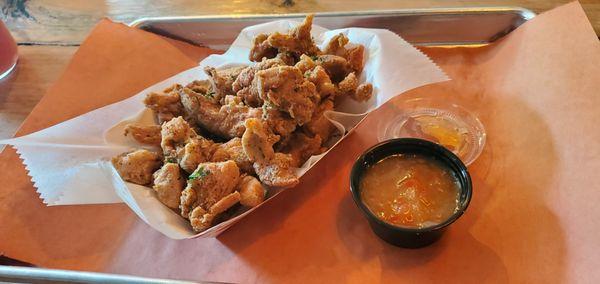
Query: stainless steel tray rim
[{"x": 526, "y": 13}]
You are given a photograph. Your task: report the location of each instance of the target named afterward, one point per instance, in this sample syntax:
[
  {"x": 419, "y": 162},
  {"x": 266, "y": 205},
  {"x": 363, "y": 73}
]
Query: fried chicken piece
[
  {"x": 175, "y": 133},
  {"x": 301, "y": 146},
  {"x": 286, "y": 89},
  {"x": 277, "y": 171},
  {"x": 225, "y": 203},
  {"x": 233, "y": 150},
  {"x": 305, "y": 63},
  {"x": 137, "y": 166},
  {"x": 363, "y": 92},
  {"x": 320, "y": 78},
  {"x": 243, "y": 83},
  {"x": 209, "y": 188},
  {"x": 298, "y": 41},
  {"x": 336, "y": 66},
  {"x": 287, "y": 57},
  {"x": 144, "y": 134},
  {"x": 168, "y": 184},
  {"x": 273, "y": 169},
  {"x": 200, "y": 219},
  {"x": 257, "y": 141},
  {"x": 197, "y": 150},
  {"x": 336, "y": 45},
  {"x": 222, "y": 81},
  {"x": 226, "y": 121},
  {"x": 166, "y": 104},
  {"x": 252, "y": 192},
  {"x": 261, "y": 48},
  {"x": 320, "y": 125},
  {"x": 279, "y": 122},
  {"x": 200, "y": 86},
  {"x": 355, "y": 57},
  {"x": 213, "y": 181},
  {"x": 348, "y": 85}
]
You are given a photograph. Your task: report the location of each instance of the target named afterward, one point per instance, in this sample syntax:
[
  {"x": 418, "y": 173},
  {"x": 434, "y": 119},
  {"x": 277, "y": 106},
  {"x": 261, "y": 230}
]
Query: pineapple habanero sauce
[{"x": 410, "y": 190}]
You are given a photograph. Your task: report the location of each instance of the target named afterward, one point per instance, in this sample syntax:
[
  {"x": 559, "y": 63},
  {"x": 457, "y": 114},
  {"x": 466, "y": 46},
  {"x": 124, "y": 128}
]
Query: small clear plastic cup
[{"x": 439, "y": 121}]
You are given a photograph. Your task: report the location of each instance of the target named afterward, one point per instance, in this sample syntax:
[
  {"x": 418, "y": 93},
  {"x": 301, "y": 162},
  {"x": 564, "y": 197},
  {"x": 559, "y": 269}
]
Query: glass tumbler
[{"x": 8, "y": 51}]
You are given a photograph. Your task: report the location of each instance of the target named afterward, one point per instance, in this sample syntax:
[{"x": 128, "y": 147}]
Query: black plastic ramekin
[{"x": 402, "y": 236}]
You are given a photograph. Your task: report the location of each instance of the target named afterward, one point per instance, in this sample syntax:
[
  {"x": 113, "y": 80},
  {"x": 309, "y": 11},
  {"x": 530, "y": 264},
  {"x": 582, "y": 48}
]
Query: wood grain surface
[{"x": 48, "y": 31}]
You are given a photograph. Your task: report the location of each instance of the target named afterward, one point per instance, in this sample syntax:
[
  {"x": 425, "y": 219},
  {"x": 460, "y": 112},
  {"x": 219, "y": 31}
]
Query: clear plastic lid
[{"x": 442, "y": 122}]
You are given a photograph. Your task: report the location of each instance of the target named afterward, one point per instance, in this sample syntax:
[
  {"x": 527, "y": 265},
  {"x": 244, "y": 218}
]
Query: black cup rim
[{"x": 357, "y": 168}]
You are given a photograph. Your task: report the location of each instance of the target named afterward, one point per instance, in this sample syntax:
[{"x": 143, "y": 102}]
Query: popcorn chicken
[
  {"x": 166, "y": 104},
  {"x": 272, "y": 168},
  {"x": 137, "y": 166},
  {"x": 168, "y": 184},
  {"x": 210, "y": 191},
  {"x": 252, "y": 192},
  {"x": 286, "y": 89},
  {"x": 145, "y": 134}
]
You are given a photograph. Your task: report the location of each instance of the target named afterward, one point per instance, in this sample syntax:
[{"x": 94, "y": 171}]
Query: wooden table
[{"x": 49, "y": 32}]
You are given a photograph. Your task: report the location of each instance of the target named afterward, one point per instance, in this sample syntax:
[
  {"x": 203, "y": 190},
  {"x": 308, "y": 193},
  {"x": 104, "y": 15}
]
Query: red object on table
[{"x": 8, "y": 51}]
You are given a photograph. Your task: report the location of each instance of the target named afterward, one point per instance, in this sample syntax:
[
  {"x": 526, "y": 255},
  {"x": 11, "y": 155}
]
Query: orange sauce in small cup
[{"x": 410, "y": 190}]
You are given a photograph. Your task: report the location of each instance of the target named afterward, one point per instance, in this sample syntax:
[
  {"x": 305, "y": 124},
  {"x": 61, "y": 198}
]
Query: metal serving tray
[{"x": 421, "y": 27}]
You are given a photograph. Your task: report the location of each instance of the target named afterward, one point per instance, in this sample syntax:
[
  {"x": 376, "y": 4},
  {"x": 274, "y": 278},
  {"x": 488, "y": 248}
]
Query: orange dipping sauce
[{"x": 410, "y": 190}]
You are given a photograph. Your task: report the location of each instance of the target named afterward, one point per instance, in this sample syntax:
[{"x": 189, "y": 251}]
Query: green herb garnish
[
  {"x": 171, "y": 160},
  {"x": 199, "y": 173},
  {"x": 314, "y": 57},
  {"x": 210, "y": 94}
]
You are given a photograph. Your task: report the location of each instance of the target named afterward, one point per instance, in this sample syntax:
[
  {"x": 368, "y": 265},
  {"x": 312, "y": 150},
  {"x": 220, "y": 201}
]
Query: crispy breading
[
  {"x": 301, "y": 146},
  {"x": 166, "y": 104},
  {"x": 222, "y": 81},
  {"x": 233, "y": 150},
  {"x": 145, "y": 134},
  {"x": 348, "y": 85},
  {"x": 363, "y": 92},
  {"x": 243, "y": 83},
  {"x": 277, "y": 171},
  {"x": 278, "y": 122},
  {"x": 226, "y": 121},
  {"x": 175, "y": 133},
  {"x": 197, "y": 150},
  {"x": 213, "y": 181},
  {"x": 355, "y": 57},
  {"x": 168, "y": 184},
  {"x": 320, "y": 78},
  {"x": 252, "y": 192},
  {"x": 200, "y": 86},
  {"x": 335, "y": 46},
  {"x": 200, "y": 219},
  {"x": 261, "y": 48},
  {"x": 320, "y": 125},
  {"x": 137, "y": 166},
  {"x": 297, "y": 41},
  {"x": 337, "y": 67},
  {"x": 272, "y": 168},
  {"x": 305, "y": 63},
  {"x": 257, "y": 141},
  {"x": 286, "y": 89},
  {"x": 225, "y": 203},
  {"x": 209, "y": 192}
]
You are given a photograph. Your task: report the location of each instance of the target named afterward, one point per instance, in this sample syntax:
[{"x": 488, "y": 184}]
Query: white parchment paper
[{"x": 69, "y": 162}]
